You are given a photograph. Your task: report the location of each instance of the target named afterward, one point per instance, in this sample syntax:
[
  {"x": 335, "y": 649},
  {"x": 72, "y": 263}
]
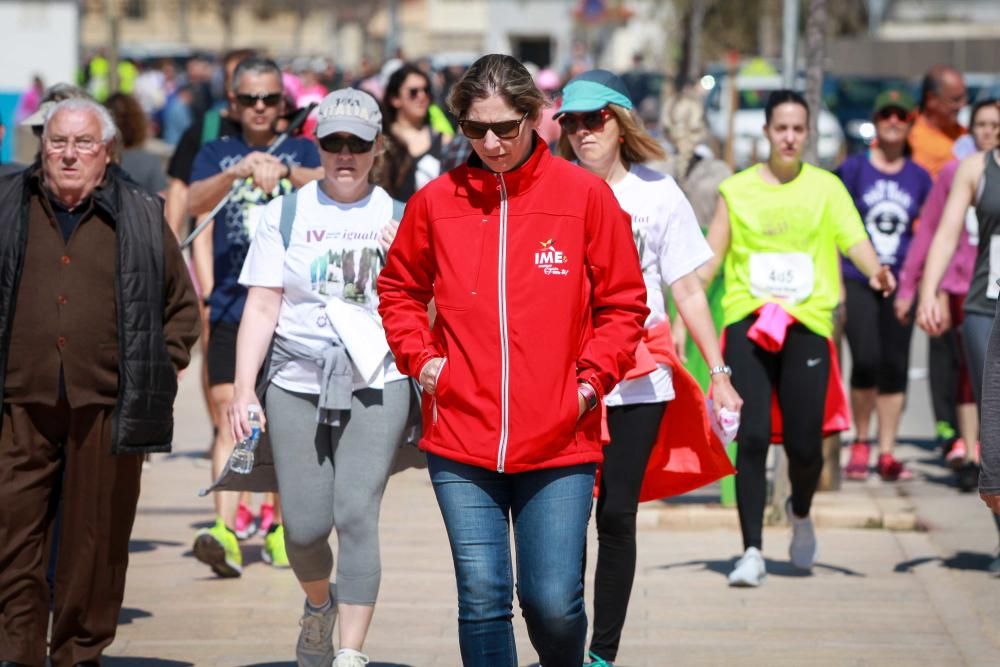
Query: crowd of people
[{"x": 404, "y": 265}]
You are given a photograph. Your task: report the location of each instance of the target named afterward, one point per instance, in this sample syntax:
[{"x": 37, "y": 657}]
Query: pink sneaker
[
  {"x": 266, "y": 518},
  {"x": 892, "y": 470},
  {"x": 245, "y": 527},
  {"x": 957, "y": 454},
  {"x": 857, "y": 466}
]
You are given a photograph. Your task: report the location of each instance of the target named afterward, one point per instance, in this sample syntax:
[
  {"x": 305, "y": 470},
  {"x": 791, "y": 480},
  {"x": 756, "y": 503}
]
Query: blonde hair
[{"x": 637, "y": 145}]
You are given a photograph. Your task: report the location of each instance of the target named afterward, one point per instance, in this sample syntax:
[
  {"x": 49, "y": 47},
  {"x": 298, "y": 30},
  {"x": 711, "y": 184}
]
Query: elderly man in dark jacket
[{"x": 97, "y": 316}]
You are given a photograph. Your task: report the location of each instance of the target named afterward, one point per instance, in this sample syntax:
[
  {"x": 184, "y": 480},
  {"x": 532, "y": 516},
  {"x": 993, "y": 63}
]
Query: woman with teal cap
[{"x": 601, "y": 132}]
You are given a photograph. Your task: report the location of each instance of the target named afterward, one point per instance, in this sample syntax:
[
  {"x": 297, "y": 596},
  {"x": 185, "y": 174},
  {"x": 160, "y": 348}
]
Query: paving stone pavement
[{"x": 876, "y": 597}]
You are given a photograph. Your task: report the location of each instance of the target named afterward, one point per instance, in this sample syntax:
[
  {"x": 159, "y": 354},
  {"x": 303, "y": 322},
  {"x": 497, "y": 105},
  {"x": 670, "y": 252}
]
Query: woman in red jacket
[{"x": 540, "y": 305}]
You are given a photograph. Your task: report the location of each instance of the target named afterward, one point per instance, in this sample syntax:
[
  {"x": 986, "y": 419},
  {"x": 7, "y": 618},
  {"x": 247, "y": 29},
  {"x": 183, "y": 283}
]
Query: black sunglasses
[
  {"x": 413, "y": 93},
  {"x": 250, "y": 100},
  {"x": 592, "y": 120},
  {"x": 505, "y": 129},
  {"x": 335, "y": 144},
  {"x": 890, "y": 112}
]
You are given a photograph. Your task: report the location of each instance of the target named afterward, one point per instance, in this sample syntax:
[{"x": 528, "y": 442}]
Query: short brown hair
[
  {"x": 637, "y": 145},
  {"x": 129, "y": 117},
  {"x": 497, "y": 74}
]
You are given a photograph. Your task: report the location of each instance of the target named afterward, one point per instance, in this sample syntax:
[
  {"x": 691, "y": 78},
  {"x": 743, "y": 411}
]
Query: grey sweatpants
[{"x": 335, "y": 476}]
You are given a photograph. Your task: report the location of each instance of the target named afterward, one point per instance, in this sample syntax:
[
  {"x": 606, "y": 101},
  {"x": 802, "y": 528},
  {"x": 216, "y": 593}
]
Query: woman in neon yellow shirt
[{"x": 779, "y": 226}]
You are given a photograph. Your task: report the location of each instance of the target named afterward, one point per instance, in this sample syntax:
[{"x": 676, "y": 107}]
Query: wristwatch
[
  {"x": 589, "y": 395},
  {"x": 715, "y": 370}
]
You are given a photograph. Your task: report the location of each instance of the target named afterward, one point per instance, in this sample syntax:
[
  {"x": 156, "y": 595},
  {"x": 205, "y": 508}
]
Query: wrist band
[{"x": 589, "y": 395}]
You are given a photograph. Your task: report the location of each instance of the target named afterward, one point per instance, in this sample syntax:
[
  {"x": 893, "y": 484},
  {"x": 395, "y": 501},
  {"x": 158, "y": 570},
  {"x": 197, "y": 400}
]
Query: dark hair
[
  {"x": 931, "y": 83},
  {"x": 129, "y": 117},
  {"x": 392, "y": 90},
  {"x": 497, "y": 74},
  {"x": 784, "y": 96},
  {"x": 979, "y": 106},
  {"x": 398, "y": 162},
  {"x": 257, "y": 65}
]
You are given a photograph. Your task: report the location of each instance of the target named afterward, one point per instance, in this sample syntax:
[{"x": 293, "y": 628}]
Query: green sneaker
[
  {"x": 218, "y": 548},
  {"x": 597, "y": 661},
  {"x": 274, "y": 547}
]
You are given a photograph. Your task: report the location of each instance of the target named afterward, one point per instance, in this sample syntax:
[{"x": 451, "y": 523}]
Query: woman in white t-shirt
[
  {"x": 600, "y": 131},
  {"x": 337, "y": 405}
]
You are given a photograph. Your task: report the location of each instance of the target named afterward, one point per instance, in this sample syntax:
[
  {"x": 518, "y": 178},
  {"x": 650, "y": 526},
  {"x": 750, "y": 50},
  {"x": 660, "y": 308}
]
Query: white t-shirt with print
[
  {"x": 333, "y": 253},
  {"x": 670, "y": 245}
]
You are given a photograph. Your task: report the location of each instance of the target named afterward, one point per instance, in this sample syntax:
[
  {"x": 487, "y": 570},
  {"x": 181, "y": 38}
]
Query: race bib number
[
  {"x": 972, "y": 226},
  {"x": 781, "y": 275},
  {"x": 992, "y": 289}
]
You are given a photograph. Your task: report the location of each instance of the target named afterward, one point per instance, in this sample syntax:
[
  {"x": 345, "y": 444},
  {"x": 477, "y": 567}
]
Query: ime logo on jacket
[{"x": 548, "y": 259}]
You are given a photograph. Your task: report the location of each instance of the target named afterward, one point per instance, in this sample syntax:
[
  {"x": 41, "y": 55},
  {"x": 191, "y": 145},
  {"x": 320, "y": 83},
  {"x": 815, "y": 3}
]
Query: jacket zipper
[{"x": 504, "y": 342}]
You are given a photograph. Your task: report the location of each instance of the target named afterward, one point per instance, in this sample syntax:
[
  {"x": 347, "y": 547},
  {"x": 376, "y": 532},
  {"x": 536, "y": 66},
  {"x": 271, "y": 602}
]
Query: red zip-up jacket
[{"x": 537, "y": 285}]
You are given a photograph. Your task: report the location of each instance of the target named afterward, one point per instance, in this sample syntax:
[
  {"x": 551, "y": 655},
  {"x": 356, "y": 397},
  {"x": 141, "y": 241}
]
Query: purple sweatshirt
[{"x": 959, "y": 274}]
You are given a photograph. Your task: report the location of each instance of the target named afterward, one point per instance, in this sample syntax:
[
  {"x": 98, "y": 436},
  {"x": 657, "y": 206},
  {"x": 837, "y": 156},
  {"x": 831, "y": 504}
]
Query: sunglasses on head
[
  {"x": 505, "y": 129},
  {"x": 335, "y": 144},
  {"x": 893, "y": 112},
  {"x": 413, "y": 93},
  {"x": 592, "y": 120},
  {"x": 251, "y": 99}
]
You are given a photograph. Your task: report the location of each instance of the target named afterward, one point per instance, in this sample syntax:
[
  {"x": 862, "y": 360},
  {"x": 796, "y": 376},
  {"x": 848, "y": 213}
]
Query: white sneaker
[
  {"x": 802, "y": 549},
  {"x": 352, "y": 659},
  {"x": 749, "y": 571}
]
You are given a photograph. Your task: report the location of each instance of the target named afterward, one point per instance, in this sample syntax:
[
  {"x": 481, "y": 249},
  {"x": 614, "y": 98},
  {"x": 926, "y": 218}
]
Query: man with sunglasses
[
  {"x": 241, "y": 163},
  {"x": 936, "y": 128}
]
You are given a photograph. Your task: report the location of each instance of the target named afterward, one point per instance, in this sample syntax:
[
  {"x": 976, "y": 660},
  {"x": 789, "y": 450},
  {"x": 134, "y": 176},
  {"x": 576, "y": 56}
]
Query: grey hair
[
  {"x": 255, "y": 65},
  {"x": 108, "y": 129}
]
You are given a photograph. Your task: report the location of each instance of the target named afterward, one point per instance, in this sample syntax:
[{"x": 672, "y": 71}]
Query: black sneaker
[{"x": 968, "y": 477}]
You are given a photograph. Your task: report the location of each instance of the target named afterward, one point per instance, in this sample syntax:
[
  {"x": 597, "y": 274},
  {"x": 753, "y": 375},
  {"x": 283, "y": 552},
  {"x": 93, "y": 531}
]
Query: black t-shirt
[{"x": 187, "y": 148}]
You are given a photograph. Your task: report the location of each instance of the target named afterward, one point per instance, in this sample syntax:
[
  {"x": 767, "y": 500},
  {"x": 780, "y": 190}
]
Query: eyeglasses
[
  {"x": 592, "y": 120},
  {"x": 414, "y": 93},
  {"x": 893, "y": 112},
  {"x": 335, "y": 144},
  {"x": 86, "y": 145},
  {"x": 251, "y": 99},
  {"x": 505, "y": 129}
]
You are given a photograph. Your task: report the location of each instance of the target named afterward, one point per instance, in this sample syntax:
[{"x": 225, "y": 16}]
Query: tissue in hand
[{"x": 725, "y": 424}]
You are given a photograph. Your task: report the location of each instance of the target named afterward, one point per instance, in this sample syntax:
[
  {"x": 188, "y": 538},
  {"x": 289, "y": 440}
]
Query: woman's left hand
[{"x": 724, "y": 395}]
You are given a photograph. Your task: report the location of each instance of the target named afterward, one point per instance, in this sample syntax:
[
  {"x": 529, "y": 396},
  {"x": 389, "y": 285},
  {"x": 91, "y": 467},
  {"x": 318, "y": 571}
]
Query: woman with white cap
[
  {"x": 334, "y": 429},
  {"x": 601, "y": 132}
]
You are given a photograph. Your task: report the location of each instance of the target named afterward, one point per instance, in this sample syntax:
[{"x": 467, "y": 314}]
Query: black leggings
[
  {"x": 633, "y": 430},
  {"x": 799, "y": 374},
  {"x": 880, "y": 344}
]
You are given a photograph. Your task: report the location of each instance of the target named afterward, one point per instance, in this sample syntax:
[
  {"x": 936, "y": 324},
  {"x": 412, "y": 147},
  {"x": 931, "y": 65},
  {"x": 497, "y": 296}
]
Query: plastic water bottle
[{"x": 242, "y": 459}]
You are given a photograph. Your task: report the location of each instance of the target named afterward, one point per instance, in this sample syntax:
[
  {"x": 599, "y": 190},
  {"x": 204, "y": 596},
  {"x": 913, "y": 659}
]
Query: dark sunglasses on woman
[
  {"x": 892, "y": 112},
  {"x": 592, "y": 120},
  {"x": 414, "y": 93},
  {"x": 505, "y": 129},
  {"x": 335, "y": 144},
  {"x": 250, "y": 100}
]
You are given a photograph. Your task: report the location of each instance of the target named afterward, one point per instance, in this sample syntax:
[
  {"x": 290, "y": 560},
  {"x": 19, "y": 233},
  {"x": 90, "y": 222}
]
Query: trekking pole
[{"x": 296, "y": 120}]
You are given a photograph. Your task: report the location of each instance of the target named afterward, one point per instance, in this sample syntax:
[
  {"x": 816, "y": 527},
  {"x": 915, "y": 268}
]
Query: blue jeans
[{"x": 550, "y": 509}]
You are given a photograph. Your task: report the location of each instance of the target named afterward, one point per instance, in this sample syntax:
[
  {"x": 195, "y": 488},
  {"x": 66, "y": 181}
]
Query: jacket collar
[{"x": 517, "y": 180}]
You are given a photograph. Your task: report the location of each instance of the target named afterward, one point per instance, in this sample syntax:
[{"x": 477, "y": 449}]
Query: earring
[{"x": 621, "y": 140}]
